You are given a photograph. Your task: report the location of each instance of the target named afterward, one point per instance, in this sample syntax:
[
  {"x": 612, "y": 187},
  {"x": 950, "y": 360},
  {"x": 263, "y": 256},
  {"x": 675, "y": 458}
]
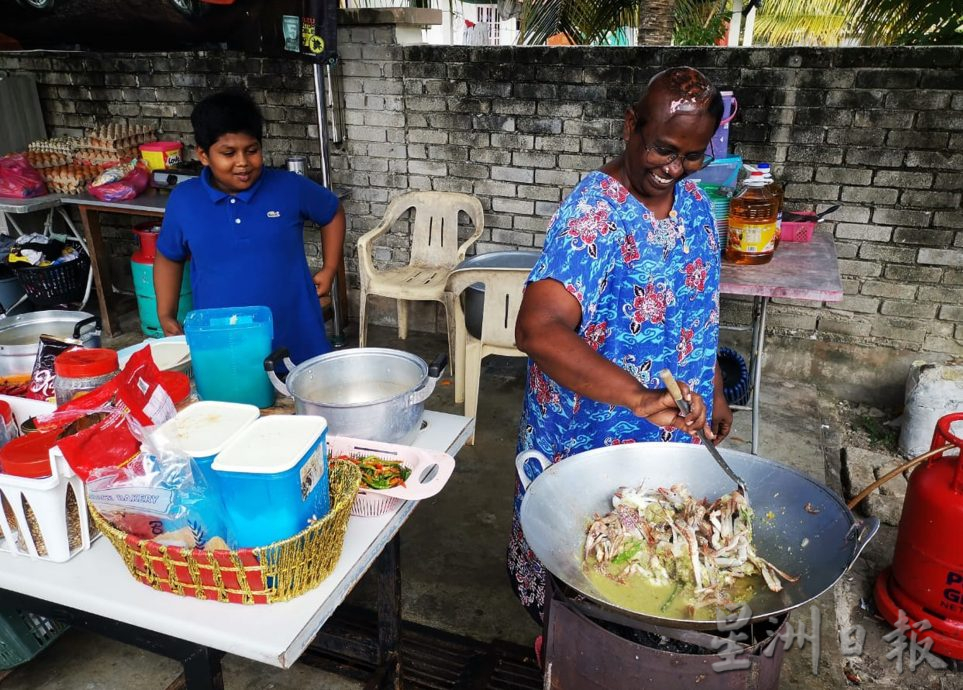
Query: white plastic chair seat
[
  {"x": 504, "y": 288},
  {"x": 435, "y": 251}
]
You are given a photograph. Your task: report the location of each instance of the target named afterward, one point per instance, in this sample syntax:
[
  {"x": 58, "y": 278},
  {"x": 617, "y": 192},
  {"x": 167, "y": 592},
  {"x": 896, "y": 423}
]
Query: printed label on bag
[
  {"x": 311, "y": 472},
  {"x": 149, "y": 501}
]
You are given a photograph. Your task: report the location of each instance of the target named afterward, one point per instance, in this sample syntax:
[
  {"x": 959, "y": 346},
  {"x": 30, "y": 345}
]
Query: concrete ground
[{"x": 453, "y": 557}]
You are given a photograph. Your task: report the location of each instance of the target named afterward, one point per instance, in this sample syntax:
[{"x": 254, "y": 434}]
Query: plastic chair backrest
[
  {"x": 504, "y": 288},
  {"x": 434, "y": 228}
]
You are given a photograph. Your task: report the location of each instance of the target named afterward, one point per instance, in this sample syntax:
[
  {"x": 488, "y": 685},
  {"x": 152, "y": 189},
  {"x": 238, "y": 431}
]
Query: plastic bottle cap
[
  {"x": 29, "y": 456},
  {"x": 85, "y": 363}
]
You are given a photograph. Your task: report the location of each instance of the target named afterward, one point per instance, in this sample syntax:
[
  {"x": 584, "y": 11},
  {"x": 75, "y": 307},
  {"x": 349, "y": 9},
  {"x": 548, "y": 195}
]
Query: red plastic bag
[
  {"x": 130, "y": 186},
  {"x": 18, "y": 179},
  {"x": 137, "y": 392}
]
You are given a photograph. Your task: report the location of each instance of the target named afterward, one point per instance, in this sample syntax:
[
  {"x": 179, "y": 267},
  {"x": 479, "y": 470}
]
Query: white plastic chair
[
  {"x": 434, "y": 253},
  {"x": 503, "y": 297}
]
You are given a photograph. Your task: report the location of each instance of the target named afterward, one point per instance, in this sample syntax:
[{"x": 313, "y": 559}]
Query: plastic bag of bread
[{"x": 109, "y": 187}]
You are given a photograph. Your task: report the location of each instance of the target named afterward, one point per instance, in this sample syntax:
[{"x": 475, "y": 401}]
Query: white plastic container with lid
[
  {"x": 274, "y": 478},
  {"x": 203, "y": 429}
]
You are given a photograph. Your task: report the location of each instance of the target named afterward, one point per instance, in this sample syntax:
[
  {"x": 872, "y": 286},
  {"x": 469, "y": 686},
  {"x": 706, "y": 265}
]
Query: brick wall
[{"x": 878, "y": 130}]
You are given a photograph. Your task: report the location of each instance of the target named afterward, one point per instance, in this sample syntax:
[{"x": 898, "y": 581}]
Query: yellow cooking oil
[
  {"x": 753, "y": 214},
  {"x": 638, "y": 593}
]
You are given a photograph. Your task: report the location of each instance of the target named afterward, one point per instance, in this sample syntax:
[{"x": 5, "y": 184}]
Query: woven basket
[
  {"x": 264, "y": 575},
  {"x": 48, "y": 286}
]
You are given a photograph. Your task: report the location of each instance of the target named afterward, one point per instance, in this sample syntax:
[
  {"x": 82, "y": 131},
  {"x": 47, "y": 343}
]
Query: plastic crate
[{"x": 23, "y": 635}]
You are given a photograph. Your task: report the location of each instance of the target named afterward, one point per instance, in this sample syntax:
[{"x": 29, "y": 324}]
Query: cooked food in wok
[{"x": 694, "y": 554}]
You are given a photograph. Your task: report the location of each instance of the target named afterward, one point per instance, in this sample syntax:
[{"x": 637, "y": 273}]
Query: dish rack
[
  {"x": 430, "y": 471},
  {"x": 47, "y": 518}
]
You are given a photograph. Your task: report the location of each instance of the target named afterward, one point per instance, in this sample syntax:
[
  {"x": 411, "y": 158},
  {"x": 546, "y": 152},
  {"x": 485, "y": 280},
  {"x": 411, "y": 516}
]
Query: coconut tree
[{"x": 779, "y": 22}]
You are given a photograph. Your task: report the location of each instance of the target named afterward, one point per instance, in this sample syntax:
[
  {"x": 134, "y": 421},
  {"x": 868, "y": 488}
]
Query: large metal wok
[{"x": 818, "y": 545}]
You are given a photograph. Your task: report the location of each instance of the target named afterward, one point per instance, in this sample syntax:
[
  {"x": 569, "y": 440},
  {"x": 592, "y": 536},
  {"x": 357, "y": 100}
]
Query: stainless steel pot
[
  {"x": 20, "y": 336},
  {"x": 369, "y": 393},
  {"x": 799, "y": 525}
]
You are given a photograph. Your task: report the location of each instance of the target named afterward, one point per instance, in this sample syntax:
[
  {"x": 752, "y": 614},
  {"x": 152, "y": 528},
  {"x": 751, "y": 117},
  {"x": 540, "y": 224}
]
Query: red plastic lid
[
  {"x": 177, "y": 385},
  {"x": 161, "y": 146},
  {"x": 84, "y": 363},
  {"x": 28, "y": 456}
]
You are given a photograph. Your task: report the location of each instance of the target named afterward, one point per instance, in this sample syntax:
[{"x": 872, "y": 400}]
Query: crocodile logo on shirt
[{"x": 273, "y": 214}]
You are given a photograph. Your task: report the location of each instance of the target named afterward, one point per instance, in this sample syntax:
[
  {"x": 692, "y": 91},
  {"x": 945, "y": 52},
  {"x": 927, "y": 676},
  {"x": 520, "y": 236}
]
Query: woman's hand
[
  {"x": 170, "y": 326},
  {"x": 658, "y": 406},
  {"x": 323, "y": 280},
  {"x": 721, "y": 423}
]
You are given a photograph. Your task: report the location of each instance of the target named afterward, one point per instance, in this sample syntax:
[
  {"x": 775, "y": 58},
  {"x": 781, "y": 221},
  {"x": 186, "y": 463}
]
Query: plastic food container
[
  {"x": 81, "y": 371},
  {"x": 274, "y": 478},
  {"x": 161, "y": 154},
  {"x": 203, "y": 429},
  {"x": 228, "y": 348}
]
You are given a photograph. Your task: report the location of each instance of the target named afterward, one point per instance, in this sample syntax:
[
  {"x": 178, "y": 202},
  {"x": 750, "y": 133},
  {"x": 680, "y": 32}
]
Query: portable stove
[{"x": 925, "y": 581}]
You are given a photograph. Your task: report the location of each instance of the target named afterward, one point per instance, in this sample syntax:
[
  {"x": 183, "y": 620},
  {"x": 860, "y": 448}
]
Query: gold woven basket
[{"x": 263, "y": 575}]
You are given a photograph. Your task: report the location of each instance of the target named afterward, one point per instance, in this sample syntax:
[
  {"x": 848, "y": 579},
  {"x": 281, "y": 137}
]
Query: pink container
[{"x": 798, "y": 231}]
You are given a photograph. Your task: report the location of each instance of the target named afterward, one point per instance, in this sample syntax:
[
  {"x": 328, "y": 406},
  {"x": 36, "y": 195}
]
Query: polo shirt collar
[{"x": 218, "y": 195}]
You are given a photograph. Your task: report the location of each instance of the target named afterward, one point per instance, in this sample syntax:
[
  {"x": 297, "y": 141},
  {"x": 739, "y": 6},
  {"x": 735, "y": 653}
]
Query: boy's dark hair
[{"x": 226, "y": 112}]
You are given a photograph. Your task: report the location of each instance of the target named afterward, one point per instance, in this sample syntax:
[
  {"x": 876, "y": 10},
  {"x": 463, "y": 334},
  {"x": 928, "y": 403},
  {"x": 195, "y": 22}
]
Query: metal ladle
[{"x": 676, "y": 393}]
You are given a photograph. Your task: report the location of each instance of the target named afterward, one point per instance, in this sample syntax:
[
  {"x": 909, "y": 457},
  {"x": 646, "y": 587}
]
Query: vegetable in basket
[{"x": 377, "y": 473}]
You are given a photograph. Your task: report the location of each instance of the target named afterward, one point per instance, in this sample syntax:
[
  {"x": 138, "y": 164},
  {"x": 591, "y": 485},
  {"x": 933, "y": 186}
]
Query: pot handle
[
  {"x": 79, "y": 326},
  {"x": 435, "y": 370},
  {"x": 270, "y": 364},
  {"x": 529, "y": 464},
  {"x": 862, "y": 532}
]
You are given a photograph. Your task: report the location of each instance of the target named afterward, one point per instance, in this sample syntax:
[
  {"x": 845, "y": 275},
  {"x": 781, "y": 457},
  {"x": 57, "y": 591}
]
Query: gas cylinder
[
  {"x": 142, "y": 270},
  {"x": 925, "y": 581}
]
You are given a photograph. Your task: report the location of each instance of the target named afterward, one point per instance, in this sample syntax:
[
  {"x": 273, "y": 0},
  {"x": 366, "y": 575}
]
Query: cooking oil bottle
[
  {"x": 780, "y": 193},
  {"x": 752, "y": 222}
]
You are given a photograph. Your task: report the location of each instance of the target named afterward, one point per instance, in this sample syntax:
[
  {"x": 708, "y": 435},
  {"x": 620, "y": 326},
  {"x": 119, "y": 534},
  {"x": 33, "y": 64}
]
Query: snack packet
[{"x": 41, "y": 385}]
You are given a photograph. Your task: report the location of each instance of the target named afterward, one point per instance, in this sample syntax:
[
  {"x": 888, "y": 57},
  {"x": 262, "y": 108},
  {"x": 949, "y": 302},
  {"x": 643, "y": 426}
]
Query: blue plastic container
[
  {"x": 204, "y": 429},
  {"x": 274, "y": 478},
  {"x": 228, "y": 348}
]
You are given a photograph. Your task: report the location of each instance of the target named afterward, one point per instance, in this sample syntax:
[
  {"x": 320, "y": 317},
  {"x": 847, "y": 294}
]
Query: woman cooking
[{"x": 627, "y": 285}]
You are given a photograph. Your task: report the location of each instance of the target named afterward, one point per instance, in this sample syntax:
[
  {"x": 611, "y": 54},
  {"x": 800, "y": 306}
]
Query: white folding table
[{"x": 94, "y": 590}]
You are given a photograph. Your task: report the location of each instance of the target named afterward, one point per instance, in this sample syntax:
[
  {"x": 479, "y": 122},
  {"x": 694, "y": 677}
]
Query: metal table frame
[
  {"x": 53, "y": 205},
  {"x": 286, "y": 629},
  {"x": 799, "y": 270}
]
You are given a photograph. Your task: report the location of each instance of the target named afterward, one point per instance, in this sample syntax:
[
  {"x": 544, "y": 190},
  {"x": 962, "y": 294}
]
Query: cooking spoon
[
  {"x": 676, "y": 394},
  {"x": 796, "y": 217}
]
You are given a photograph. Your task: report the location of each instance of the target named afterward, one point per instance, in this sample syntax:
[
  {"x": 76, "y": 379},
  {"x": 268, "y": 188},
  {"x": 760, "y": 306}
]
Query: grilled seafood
[{"x": 668, "y": 537}]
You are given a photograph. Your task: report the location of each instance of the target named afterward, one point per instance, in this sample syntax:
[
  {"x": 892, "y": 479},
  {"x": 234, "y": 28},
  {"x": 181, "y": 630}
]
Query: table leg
[
  {"x": 202, "y": 665},
  {"x": 759, "y": 306},
  {"x": 100, "y": 264},
  {"x": 388, "y": 569},
  {"x": 80, "y": 238}
]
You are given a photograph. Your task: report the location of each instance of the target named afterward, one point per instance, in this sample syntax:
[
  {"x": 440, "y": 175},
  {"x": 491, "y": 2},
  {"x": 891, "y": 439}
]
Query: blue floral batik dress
[{"x": 649, "y": 291}]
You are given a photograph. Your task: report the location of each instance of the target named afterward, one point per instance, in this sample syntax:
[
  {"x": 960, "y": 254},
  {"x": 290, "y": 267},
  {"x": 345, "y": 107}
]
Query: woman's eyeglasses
[{"x": 664, "y": 155}]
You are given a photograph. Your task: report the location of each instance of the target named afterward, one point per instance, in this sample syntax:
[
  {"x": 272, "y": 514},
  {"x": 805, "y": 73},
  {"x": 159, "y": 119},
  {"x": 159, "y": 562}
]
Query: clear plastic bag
[
  {"x": 160, "y": 495},
  {"x": 18, "y": 179}
]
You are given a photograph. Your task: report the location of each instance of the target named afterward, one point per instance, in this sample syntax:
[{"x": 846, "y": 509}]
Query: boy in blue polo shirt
[{"x": 241, "y": 225}]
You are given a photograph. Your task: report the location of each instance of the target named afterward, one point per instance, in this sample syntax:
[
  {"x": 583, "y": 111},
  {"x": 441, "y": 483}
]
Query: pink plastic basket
[{"x": 792, "y": 231}]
